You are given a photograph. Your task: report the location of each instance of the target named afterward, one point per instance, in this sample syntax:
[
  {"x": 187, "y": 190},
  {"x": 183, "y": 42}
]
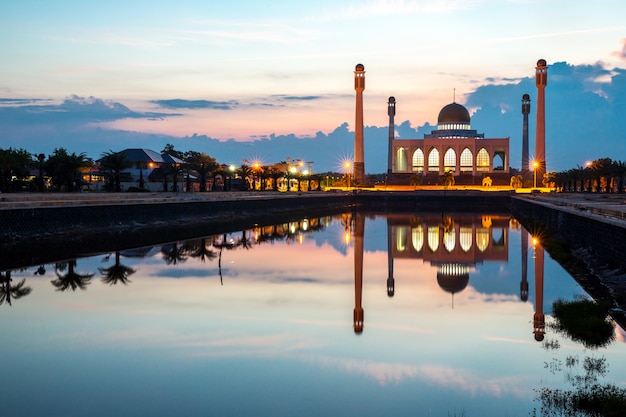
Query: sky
[{"x": 274, "y": 80}]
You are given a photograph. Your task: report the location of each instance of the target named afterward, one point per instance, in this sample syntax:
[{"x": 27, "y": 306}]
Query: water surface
[{"x": 352, "y": 315}]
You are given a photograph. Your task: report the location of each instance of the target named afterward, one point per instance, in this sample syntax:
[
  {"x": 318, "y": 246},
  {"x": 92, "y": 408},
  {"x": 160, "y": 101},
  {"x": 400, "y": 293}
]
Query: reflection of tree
[
  {"x": 588, "y": 397},
  {"x": 10, "y": 292},
  {"x": 200, "y": 248},
  {"x": 221, "y": 245},
  {"x": 116, "y": 273},
  {"x": 244, "y": 241},
  {"x": 173, "y": 254},
  {"x": 72, "y": 279},
  {"x": 584, "y": 321}
]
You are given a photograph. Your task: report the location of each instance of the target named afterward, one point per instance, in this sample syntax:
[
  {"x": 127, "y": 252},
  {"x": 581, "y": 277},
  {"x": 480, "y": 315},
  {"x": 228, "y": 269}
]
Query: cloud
[
  {"x": 73, "y": 110},
  {"x": 197, "y": 104},
  {"x": 622, "y": 53}
]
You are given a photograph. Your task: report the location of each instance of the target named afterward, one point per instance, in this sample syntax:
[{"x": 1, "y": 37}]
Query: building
[{"x": 454, "y": 147}]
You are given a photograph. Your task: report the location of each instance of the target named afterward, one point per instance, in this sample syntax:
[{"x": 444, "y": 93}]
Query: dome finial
[{"x": 454, "y": 95}]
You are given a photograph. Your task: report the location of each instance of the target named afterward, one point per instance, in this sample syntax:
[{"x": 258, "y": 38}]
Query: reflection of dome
[
  {"x": 453, "y": 278},
  {"x": 454, "y": 113}
]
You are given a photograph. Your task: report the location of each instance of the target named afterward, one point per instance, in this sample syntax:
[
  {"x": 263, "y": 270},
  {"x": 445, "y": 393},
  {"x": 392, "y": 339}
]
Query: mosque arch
[
  {"x": 417, "y": 238},
  {"x": 482, "y": 238},
  {"x": 401, "y": 159},
  {"x": 449, "y": 239},
  {"x": 449, "y": 160},
  {"x": 418, "y": 160},
  {"x": 433, "y": 238},
  {"x": 498, "y": 161},
  {"x": 401, "y": 239},
  {"x": 482, "y": 160},
  {"x": 433, "y": 160},
  {"x": 467, "y": 161},
  {"x": 465, "y": 238}
]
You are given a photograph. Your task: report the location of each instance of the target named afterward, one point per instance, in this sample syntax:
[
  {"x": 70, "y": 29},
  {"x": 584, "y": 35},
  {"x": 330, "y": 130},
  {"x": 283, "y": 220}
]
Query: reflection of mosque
[{"x": 453, "y": 244}]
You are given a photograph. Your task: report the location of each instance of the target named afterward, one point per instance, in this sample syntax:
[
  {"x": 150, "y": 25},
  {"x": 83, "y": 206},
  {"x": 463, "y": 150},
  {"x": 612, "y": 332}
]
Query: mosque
[{"x": 453, "y": 147}]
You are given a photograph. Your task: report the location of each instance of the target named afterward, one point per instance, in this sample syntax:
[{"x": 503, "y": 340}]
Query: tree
[
  {"x": 203, "y": 164},
  {"x": 64, "y": 168},
  {"x": 115, "y": 162},
  {"x": 14, "y": 164},
  {"x": 245, "y": 172}
]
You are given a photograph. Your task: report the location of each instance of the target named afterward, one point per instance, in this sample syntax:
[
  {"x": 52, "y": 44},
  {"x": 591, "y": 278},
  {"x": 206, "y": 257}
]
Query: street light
[
  {"x": 535, "y": 166},
  {"x": 347, "y": 165}
]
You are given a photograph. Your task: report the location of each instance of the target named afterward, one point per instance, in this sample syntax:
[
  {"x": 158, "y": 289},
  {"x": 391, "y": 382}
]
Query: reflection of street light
[{"x": 535, "y": 166}]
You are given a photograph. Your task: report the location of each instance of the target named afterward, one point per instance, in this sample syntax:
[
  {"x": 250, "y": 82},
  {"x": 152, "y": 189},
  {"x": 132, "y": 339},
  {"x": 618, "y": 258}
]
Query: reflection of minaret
[
  {"x": 391, "y": 111},
  {"x": 541, "y": 80},
  {"x": 525, "y": 112},
  {"x": 539, "y": 324},
  {"x": 359, "y": 228},
  {"x": 359, "y": 158},
  {"x": 391, "y": 282},
  {"x": 523, "y": 286}
]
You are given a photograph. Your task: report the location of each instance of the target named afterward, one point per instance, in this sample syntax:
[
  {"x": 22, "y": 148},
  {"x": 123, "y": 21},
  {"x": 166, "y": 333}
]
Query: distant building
[{"x": 453, "y": 147}]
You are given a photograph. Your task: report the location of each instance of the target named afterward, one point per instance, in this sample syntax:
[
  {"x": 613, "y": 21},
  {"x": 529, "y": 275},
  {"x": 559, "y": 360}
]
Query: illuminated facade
[{"x": 453, "y": 147}]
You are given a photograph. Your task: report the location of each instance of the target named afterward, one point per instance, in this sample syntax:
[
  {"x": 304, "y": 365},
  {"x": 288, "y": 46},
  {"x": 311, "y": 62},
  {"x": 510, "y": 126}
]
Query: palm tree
[
  {"x": 64, "y": 168},
  {"x": 117, "y": 272},
  {"x": 245, "y": 172},
  {"x": 10, "y": 292},
  {"x": 71, "y": 280},
  {"x": 223, "y": 244},
  {"x": 203, "y": 164},
  {"x": 115, "y": 162}
]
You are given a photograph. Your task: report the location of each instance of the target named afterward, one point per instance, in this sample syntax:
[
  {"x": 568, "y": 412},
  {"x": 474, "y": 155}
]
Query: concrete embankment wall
[
  {"x": 47, "y": 234},
  {"x": 604, "y": 236}
]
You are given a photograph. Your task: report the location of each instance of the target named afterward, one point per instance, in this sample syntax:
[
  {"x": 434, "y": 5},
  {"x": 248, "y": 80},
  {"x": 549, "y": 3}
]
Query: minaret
[
  {"x": 391, "y": 111},
  {"x": 391, "y": 284},
  {"x": 359, "y": 228},
  {"x": 539, "y": 323},
  {"x": 541, "y": 80},
  {"x": 359, "y": 158},
  {"x": 525, "y": 160}
]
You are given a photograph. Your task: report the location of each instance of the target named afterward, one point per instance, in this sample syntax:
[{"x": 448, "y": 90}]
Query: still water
[{"x": 348, "y": 315}]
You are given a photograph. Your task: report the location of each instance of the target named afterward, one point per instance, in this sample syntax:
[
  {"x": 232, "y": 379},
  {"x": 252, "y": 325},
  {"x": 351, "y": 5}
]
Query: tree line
[{"x": 21, "y": 170}]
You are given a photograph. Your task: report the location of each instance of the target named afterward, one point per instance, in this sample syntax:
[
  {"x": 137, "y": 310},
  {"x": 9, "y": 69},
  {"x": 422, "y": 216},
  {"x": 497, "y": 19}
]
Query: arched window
[
  {"x": 418, "y": 160},
  {"x": 449, "y": 160},
  {"x": 417, "y": 238},
  {"x": 433, "y": 238},
  {"x": 465, "y": 238},
  {"x": 449, "y": 239},
  {"x": 401, "y": 239},
  {"x": 482, "y": 238},
  {"x": 401, "y": 160},
  {"x": 467, "y": 160},
  {"x": 433, "y": 160},
  {"x": 482, "y": 160}
]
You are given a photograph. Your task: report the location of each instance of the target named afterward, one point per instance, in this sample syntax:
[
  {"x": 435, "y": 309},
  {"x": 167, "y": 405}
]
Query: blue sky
[{"x": 142, "y": 74}]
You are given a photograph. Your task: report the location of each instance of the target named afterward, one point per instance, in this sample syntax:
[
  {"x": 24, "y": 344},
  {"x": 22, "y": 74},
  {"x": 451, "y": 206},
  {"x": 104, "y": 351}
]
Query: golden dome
[{"x": 454, "y": 113}]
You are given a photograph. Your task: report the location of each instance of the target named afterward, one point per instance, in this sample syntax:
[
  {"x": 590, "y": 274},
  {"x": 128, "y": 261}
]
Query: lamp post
[
  {"x": 347, "y": 165},
  {"x": 535, "y": 166}
]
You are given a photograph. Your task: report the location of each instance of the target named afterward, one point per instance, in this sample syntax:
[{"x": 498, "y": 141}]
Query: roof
[
  {"x": 143, "y": 155},
  {"x": 454, "y": 113},
  {"x": 148, "y": 155}
]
